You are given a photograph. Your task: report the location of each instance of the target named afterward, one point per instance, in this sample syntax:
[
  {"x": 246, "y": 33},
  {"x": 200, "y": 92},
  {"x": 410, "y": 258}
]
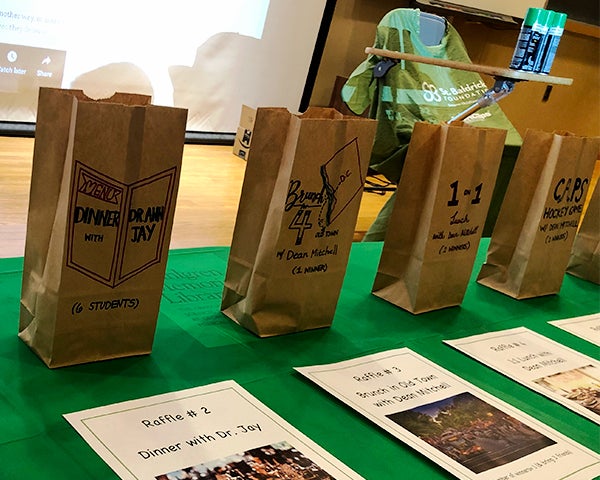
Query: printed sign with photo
[
  {"x": 465, "y": 430},
  {"x": 564, "y": 375},
  {"x": 586, "y": 327},
  {"x": 218, "y": 431}
]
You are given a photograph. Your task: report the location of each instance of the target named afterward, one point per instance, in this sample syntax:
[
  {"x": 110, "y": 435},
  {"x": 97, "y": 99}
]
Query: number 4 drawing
[{"x": 301, "y": 222}]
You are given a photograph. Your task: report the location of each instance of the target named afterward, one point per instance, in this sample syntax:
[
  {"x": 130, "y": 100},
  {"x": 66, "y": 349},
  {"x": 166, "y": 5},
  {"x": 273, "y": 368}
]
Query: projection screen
[{"x": 207, "y": 56}]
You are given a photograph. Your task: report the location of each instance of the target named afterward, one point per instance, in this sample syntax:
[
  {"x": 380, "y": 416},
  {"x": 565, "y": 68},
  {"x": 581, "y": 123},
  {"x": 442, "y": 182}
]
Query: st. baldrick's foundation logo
[{"x": 116, "y": 230}]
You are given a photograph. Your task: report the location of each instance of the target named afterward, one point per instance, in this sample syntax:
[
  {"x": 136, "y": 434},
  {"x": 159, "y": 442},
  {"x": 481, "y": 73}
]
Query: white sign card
[
  {"x": 547, "y": 367},
  {"x": 470, "y": 433},
  {"x": 586, "y": 327},
  {"x": 216, "y": 431}
]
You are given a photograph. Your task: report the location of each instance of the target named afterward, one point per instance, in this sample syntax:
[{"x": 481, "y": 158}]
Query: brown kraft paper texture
[
  {"x": 585, "y": 254},
  {"x": 441, "y": 205},
  {"x": 295, "y": 224},
  {"x": 531, "y": 243},
  {"x": 103, "y": 191}
]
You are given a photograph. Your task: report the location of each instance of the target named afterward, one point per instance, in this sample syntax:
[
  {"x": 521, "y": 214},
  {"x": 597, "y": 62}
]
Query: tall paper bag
[
  {"x": 295, "y": 223},
  {"x": 531, "y": 242},
  {"x": 584, "y": 261},
  {"x": 103, "y": 190},
  {"x": 437, "y": 221}
]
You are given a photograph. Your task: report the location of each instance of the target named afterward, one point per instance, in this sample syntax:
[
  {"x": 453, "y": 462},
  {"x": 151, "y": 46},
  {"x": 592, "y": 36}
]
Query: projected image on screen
[
  {"x": 208, "y": 57},
  {"x": 23, "y": 70}
]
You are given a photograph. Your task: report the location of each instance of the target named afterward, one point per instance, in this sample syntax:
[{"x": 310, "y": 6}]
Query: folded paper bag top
[
  {"x": 296, "y": 219},
  {"x": 103, "y": 191}
]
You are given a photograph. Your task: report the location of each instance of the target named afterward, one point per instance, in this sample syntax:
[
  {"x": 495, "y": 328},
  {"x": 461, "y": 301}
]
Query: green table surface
[{"x": 197, "y": 345}]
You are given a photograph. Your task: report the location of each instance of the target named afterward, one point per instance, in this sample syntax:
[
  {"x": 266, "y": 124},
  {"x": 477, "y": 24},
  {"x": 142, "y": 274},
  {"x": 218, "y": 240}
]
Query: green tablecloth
[{"x": 196, "y": 345}]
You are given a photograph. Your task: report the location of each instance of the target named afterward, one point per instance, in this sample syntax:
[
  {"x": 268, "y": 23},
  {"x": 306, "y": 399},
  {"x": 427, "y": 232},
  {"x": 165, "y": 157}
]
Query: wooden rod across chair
[{"x": 516, "y": 75}]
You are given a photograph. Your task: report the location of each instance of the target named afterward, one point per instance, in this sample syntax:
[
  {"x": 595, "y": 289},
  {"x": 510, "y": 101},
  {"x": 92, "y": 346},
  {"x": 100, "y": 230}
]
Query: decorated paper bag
[
  {"x": 103, "y": 190},
  {"x": 585, "y": 254},
  {"x": 295, "y": 223},
  {"x": 441, "y": 205},
  {"x": 531, "y": 243}
]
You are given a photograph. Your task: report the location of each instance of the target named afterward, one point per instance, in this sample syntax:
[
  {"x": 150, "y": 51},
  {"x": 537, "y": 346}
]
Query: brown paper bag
[
  {"x": 103, "y": 190},
  {"x": 440, "y": 209},
  {"x": 296, "y": 218},
  {"x": 532, "y": 239},
  {"x": 584, "y": 261}
]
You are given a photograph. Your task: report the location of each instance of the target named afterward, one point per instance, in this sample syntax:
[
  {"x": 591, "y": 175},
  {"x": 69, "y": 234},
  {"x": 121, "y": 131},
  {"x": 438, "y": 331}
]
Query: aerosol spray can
[
  {"x": 533, "y": 30},
  {"x": 557, "y": 26}
]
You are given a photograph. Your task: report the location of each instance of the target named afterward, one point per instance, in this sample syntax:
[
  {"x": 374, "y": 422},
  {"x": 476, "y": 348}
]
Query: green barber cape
[{"x": 411, "y": 91}]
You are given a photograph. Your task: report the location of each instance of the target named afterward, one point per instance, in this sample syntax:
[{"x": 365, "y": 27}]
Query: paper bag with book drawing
[
  {"x": 295, "y": 223},
  {"x": 103, "y": 190},
  {"x": 531, "y": 242},
  {"x": 441, "y": 205}
]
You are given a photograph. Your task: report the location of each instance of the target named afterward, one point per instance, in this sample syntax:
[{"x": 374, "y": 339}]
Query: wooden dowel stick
[{"x": 516, "y": 75}]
